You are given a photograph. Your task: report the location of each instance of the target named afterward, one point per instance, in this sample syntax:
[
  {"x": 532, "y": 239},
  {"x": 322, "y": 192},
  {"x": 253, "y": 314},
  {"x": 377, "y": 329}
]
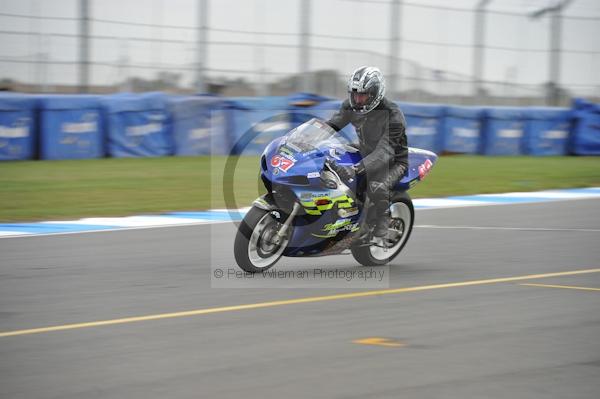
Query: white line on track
[
  {"x": 431, "y": 226},
  {"x": 64, "y": 233},
  {"x": 155, "y": 221}
]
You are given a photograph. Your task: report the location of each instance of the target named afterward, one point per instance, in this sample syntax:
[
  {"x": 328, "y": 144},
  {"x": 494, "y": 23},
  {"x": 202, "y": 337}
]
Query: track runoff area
[{"x": 485, "y": 301}]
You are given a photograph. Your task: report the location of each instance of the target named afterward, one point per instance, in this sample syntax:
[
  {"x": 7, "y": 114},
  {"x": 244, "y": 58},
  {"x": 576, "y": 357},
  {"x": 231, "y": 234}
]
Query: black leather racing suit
[{"x": 383, "y": 145}]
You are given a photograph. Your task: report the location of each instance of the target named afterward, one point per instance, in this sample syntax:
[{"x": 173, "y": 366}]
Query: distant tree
[
  {"x": 7, "y": 84},
  {"x": 168, "y": 80},
  {"x": 163, "y": 81}
]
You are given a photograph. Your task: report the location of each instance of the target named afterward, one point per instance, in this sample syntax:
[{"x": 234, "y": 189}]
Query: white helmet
[{"x": 366, "y": 88}]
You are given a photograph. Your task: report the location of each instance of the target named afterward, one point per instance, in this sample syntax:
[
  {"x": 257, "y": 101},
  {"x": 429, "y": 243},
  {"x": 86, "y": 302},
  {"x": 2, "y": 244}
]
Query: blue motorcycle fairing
[
  {"x": 301, "y": 174},
  {"x": 311, "y": 233},
  {"x": 420, "y": 163}
]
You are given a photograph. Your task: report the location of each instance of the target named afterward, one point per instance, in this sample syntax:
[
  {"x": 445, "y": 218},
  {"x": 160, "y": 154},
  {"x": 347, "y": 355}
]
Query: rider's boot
[{"x": 382, "y": 219}]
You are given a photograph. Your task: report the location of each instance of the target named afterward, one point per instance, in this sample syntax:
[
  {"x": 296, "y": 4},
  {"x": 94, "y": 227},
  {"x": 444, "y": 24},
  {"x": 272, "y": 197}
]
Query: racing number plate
[{"x": 281, "y": 162}]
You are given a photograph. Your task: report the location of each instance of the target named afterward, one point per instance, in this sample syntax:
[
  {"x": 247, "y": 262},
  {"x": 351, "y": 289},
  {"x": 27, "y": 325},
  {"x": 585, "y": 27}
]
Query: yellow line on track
[
  {"x": 379, "y": 342},
  {"x": 563, "y": 286},
  {"x": 259, "y": 305}
]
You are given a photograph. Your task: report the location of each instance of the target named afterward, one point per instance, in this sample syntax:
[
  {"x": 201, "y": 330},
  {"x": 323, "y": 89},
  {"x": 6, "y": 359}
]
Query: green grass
[
  {"x": 44, "y": 190},
  {"x": 463, "y": 175}
]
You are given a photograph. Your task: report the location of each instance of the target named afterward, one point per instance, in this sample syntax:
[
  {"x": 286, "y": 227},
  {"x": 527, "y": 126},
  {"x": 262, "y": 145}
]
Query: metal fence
[{"x": 428, "y": 52}]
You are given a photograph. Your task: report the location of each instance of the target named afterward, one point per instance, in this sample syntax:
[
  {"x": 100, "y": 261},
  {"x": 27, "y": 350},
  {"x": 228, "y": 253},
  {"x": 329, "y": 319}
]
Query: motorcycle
[{"x": 309, "y": 210}]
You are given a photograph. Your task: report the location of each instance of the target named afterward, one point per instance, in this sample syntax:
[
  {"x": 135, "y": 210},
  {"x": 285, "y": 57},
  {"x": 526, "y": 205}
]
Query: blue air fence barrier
[
  {"x": 305, "y": 100},
  {"x": 198, "y": 125},
  {"x": 503, "y": 131},
  {"x": 424, "y": 125},
  {"x": 17, "y": 127},
  {"x": 462, "y": 129},
  {"x": 586, "y": 128},
  {"x": 71, "y": 127},
  {"x": 546, "y": 130},
  {"x": 301, "y": 106},
  {"x": 253, "y": 122},
  {"x": 137, "y": 125}
]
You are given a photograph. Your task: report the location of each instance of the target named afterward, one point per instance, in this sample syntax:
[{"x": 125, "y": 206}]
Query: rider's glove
[
  {"x": 359, "y": 169},
  {"x": 346, "y": 173}
]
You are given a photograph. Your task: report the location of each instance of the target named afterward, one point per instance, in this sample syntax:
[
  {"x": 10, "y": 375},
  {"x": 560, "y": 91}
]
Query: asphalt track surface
[{"x": 444, "y": 339}]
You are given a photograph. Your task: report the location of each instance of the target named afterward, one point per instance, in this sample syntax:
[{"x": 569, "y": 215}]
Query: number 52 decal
[{"x": 281, "y": 162}]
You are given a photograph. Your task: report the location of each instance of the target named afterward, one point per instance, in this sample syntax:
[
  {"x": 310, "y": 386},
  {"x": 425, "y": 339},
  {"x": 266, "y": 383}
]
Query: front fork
[
  {"x": 264, "y": 203},
  {"x": 284, "y": 227}
]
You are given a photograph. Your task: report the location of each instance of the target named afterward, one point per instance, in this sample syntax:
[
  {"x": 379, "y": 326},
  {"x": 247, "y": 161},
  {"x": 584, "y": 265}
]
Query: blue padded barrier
[
  {"x": 71, "y": 127},
  {"x": 503, "y": 131},
  {"x": 17, "y": 127},
  {"x": 326, "y": 109},
  {"x": 462, "y": 129},
  {"x": 301, "y": 107},
  {"x": 253, "y": 122},
  {"x": 137, "y": 125},
  {"x": 305, "y": 100},
  {"x": 425, "y": 124},
  {"x": 154, "y": 124},
  {"x": 198, "y": 125},
  {"x": 586, "y": 128},
  {"x": 546, "y": 130}
]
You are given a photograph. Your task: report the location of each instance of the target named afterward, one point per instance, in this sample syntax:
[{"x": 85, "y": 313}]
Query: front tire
[
  {"x": 372, "y": 255},
  {"x": 254, "y": 248}
]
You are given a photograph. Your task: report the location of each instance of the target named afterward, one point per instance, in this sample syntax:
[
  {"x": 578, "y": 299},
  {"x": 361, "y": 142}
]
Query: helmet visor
[{"x": 360, "y": 99}]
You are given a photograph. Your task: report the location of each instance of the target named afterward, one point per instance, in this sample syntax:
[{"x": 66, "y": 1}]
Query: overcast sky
[{"x": 367, "y": 19}]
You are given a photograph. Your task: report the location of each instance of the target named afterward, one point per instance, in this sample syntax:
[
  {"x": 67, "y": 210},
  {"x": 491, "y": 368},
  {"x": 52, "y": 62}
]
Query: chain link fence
[{"x": 254, "y": 48}]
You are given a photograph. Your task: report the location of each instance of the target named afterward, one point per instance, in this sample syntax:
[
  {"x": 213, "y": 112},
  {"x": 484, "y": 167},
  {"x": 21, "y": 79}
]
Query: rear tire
[
  {"x": 376, "y": 256},
  {"x": 253, "y": 250}
]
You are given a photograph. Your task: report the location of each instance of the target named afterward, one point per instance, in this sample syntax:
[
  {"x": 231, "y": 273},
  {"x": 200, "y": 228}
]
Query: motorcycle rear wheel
[{"x": 372, "y": 255}]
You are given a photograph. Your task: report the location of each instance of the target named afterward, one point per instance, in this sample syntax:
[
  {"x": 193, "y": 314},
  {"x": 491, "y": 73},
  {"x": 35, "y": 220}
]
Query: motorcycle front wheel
[
  {"x": 399, "y": 232},
  {"x": 257, "y": 246}
]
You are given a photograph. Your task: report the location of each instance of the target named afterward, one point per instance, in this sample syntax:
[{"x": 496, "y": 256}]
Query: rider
[{"x": 381, "y": 130}]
